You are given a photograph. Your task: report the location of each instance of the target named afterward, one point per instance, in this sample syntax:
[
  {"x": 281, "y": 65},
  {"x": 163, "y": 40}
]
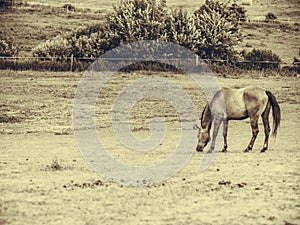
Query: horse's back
[
  {"x": 255, "y": 91},
  {"x": 234, "y": 103},
  {"x": 244, "y": 101},
  {"x": 255, "y": 95}
]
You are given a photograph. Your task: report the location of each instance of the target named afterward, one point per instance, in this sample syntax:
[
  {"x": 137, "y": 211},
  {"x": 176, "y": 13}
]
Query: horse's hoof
[
  {"x": 224, "y": 150},
  {"x": 263, "y": 150},
  {"x": 247, "y": 150}
]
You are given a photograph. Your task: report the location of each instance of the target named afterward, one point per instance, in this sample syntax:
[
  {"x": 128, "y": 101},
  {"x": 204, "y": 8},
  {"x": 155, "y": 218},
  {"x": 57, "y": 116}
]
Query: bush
[
  {"x": 91, "y": 45},
  {"x": 237, "y": 13},
  {"x": 260, "y": 59},
  {"x": 180, "y": 28},
  {"x": 150, "y": 66},
  {"x": 69, "y": 7},
  {"x": 85, "y": 43},
  {"x": 135, "y": 20},
  {"x": 233, "y": 13},
  {"x": 6, "y": 4},
  {"x": 295, "y": 66},
  {"x": 219, "y": 31},
  {"x": 56, "y": 49},
  {"x": 6, "y": 48},
  {"x": 270, "y": 16},
  {"x": 211, "y": 32},
  {"x": 55, "y": 166}
]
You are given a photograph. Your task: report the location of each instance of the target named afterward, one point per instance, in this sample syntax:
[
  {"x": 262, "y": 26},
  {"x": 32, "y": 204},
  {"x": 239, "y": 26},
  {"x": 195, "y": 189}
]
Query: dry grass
[
  {"x": 30, "y": 25},
  {"x": 237, "y": 188}
]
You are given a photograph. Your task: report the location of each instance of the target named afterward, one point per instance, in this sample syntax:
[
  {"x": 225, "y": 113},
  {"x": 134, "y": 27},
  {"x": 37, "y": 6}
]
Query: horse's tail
[{"x": 275, "y": 111}]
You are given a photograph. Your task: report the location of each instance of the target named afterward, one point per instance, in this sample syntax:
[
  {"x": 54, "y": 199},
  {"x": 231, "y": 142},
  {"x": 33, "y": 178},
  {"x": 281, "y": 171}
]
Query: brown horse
[{"x": 238, "y": 104}]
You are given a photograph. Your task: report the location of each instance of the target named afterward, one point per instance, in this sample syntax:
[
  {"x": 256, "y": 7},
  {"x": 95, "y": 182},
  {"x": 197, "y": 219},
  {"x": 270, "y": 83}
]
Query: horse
[{"x": 238, "y": 104}]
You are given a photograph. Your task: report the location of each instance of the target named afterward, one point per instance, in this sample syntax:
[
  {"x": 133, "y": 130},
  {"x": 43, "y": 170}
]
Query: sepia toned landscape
[{"x": 46, "y": 180}]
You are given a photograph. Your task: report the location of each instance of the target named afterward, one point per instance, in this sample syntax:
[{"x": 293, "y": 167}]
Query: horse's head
[{"x": 203, "y": 138}]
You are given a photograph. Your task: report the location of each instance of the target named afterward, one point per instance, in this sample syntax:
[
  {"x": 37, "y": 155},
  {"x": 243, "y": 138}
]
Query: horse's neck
[{"x": 206, "y": 118}]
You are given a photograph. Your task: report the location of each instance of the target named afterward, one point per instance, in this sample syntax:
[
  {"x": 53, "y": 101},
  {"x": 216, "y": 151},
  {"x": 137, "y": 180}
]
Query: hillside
[{"x": 33, "y": 22}]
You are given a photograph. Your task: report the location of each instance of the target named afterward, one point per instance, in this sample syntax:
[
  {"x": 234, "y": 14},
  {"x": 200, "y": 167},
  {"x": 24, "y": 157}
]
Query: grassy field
[
  {"x": 284, "y": 9},
  {"x": 108, "y": 5},
  {"x": 45, "y": 180}
]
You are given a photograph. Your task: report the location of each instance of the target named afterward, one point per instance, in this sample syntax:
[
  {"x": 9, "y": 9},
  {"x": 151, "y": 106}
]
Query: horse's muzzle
[{"x": 199, "y": 148}]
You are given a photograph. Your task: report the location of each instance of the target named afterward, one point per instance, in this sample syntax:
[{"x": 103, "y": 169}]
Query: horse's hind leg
[
  {"x": 265, "y": 119},
  {"x": 225, "y": 129},
  {"x": 254, "y": 126}
]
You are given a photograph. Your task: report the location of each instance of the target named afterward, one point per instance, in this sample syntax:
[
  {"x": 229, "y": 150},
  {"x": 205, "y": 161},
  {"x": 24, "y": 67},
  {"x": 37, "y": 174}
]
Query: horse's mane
[
  {"x": 206, "y": 114},
  {"x": 202, "y": 114}
]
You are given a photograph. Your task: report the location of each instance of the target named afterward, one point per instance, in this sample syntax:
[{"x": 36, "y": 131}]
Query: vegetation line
[{"x": 134, "y": 59}]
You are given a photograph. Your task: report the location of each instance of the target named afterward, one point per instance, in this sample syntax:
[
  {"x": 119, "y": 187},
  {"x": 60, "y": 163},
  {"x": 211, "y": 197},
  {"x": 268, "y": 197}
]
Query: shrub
[
  {"x": 56, "y": 49},
  {"x": 296, "y": 62},
  {"x": 180, "y": 28},
  {"x": 261, "y": 59},
  {"x": 55, "y": 166},
  {"x": 135, "y": 20},
  {"x": 219, "y": 31},
  {"x": 270, "y": 16},
  {"x": 150, "y": 66},
  {"x": 6, "y": 4},
  {"x": 9, "y": 119},
  {"x": 237, "y": 12},
  {"x": 92, "y": 44},
  {"x": 233, "y": 13},
  {"x": 295, "y": 66},
  {"x": 69, "y": 7},
  {"x": 6, "y": 48},
  {"x": 211, "y": 32}
]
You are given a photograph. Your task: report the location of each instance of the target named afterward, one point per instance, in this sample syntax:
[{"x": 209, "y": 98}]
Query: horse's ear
[{"x": 196, "y": 127}]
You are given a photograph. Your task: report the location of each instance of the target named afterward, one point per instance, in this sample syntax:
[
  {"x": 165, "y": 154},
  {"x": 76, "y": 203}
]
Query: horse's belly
[{"x": 237, "y": 115}]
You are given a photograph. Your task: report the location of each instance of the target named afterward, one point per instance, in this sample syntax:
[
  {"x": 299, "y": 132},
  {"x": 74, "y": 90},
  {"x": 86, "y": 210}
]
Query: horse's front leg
[
  {"x": 254, "y": 126},
  {"x": 217, "y": 123},
  {"x": 225, "y": 129}
]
